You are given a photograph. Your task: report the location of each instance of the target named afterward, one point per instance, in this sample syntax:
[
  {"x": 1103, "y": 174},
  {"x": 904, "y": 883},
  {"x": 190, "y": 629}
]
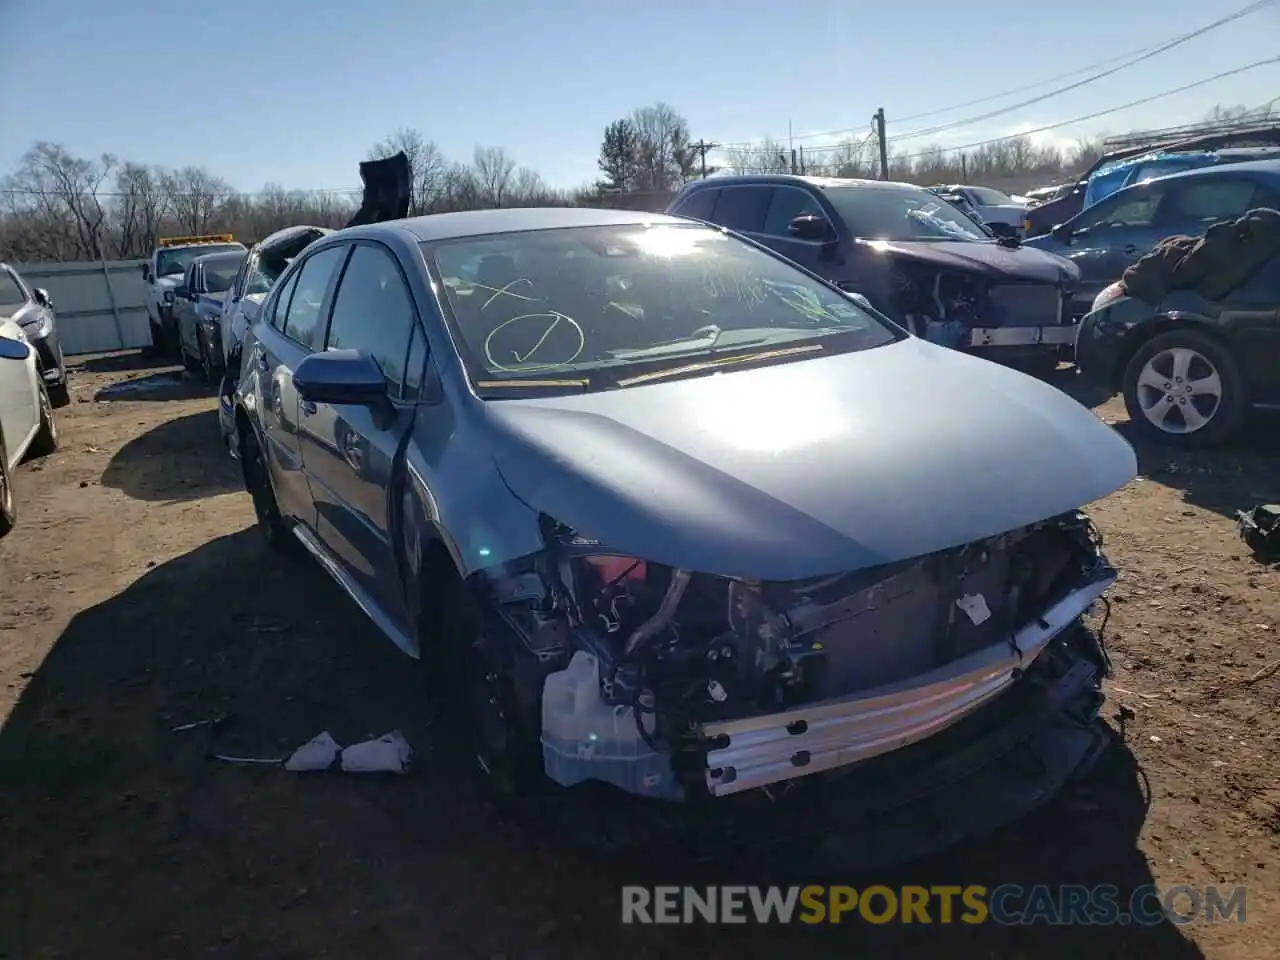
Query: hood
[
  {"x": 1020, "y": 264},
  {"x": 812, "y": 467},
  {"x": 290, "y": 241}
]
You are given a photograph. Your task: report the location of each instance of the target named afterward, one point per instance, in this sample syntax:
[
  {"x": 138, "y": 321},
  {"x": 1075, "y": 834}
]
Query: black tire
[
  {"x": 1209, "y": 355},
  {"x": 207, "y": 366},
  {"x": 156, "y": 349},
  {"x": 257, "y": 481},
  {"x": 60, "y": 395},
  {"x": 46, "y": 439},
  {"x": 499, "y": 732},
  {"x": 190, "y": 364},
  {"x": 8, "y": 503}
]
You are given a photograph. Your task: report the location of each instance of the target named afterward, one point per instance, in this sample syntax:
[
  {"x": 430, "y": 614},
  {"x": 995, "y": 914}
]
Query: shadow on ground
[
  {"x": 123, "y": 838},
  {"x": 1237, "y": 476},
  {"x": 164, "y": 385},
  {"x": 180, "y": 459},
  {"x": 124, "y": 362}
]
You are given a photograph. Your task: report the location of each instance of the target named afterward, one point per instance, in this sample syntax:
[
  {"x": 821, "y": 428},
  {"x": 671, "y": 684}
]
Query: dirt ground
[{"x": 134, "y": 597}]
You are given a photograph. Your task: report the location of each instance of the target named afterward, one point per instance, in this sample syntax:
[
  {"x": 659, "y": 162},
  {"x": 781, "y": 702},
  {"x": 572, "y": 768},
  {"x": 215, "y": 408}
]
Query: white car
[
  {"x": 991, "y": 205},
  {"x": 26, "y": 415}
]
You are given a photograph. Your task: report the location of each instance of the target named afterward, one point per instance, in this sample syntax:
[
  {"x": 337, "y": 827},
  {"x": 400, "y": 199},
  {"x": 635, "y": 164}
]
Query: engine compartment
[
  {"x": 964, "y": 309},
  {"x": 628, "y": 662}
]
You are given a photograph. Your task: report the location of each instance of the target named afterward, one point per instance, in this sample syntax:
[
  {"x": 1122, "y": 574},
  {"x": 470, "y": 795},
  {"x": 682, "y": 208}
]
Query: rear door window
[
  {"x": 1213, "y": 198},
  {"x": 743, "y": 208}
]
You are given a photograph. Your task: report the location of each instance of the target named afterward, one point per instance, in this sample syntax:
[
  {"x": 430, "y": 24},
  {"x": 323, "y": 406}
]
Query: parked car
[
  {"x": 1192, "y": 361},
  {"x": 659, "y": 508},
  {"x": 197, "y": 310},
  {"x": 916, "y": 258},
  {"x": 991, "y": 205},
  {"x": 27, "y": 426},
  {"x": 1045, "y": 216},
  {"x": 263, "y": 265},
  {"x": 163, "y": 273},
  {"x": 32, "y": 309},
  {"x": 1117, "y": 232}
]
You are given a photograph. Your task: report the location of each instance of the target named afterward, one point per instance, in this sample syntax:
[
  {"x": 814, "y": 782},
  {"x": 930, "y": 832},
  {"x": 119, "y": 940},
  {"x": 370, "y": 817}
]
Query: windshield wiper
[{"x": 717, "y": 363}]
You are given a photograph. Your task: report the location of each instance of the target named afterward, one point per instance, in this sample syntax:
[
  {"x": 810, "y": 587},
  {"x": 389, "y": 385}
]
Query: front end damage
[
  {"x": 685, "y": 686},
  {"x": 967, "y": 310}
]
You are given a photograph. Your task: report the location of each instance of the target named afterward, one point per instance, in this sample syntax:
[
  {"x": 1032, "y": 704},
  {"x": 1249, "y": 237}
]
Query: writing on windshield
[{"x": 575, "y": 301}]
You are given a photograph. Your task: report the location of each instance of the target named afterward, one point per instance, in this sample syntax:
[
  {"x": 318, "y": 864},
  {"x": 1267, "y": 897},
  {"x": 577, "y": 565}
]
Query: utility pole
[
  {"x": 878, "y": 119},
  {"x": 702, "y": 146},
  {"x": 793, "y": 161}
]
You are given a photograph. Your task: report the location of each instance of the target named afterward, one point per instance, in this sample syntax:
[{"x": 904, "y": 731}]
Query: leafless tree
[
  {"x": 493, "y": 171},
  {"x": 664, "y": 159},
  {"x": 195, "y": 195},
  {"x": 67, "y": 188},
  {"x": 140, "y": 209},
  {"x": 767, "y": 156}
]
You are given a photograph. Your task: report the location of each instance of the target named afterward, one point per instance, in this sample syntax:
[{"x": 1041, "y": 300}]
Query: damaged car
[
  {"x": 658, "y": 509},
  {"x": 916, "y": 257}
]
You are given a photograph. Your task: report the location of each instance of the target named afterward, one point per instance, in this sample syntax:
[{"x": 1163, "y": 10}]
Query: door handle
[
  {"x": 351, "y": 451},
  {"x": 260, "y": 360},
  {"x": 308, "y": 407}
]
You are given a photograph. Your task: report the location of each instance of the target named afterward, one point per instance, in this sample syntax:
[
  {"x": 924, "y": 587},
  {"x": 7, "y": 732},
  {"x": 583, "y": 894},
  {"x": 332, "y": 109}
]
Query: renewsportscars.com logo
[{"x": 1006, "y": 905}]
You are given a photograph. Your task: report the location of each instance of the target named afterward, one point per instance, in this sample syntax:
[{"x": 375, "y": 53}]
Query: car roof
[
  {"x": 822, "y": 183},
  {"x": 474, "y": 223},
  {"x": 1226, "y": 170}
]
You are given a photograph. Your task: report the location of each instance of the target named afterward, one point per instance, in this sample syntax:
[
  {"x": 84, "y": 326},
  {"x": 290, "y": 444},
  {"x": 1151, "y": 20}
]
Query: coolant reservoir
[{"x": 585, "y": 738}]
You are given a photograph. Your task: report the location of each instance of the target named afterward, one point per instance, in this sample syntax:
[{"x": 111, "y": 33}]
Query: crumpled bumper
[{"x": 758, "y": 751}]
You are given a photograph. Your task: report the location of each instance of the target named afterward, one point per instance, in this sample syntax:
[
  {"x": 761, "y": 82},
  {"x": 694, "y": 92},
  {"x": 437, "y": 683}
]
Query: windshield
[
  {"x": 169, "y": 262},
  {"x": 902, "y": 213},
  {"x": 220, "y": 271},
  {"x": 589, "y": 308},
  {"x": 989, "y": 197}
]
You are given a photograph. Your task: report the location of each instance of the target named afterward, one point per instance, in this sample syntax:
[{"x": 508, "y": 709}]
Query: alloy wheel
[{"x": 1179, "y": 390}]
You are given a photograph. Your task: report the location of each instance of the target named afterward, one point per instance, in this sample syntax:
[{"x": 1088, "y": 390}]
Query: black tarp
[
  {"x": 387, "y": 190},
  {"x": 1226, "y": 256}
]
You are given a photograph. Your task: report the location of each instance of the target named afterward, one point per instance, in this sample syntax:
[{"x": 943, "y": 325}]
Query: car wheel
[
  {"x": 8, "y": 506},
  {"x": 206, "y": 363},
  {"x": 1184, "y": 388},
  {"x": 46, "y": 439},
  {"x": 60, "y": 395},
  {"x": 156, "y": 349},
  {"x": 501, "y": 743},
  {"x": 190, "y": 364},
  {"x": 257, "y": 480}
]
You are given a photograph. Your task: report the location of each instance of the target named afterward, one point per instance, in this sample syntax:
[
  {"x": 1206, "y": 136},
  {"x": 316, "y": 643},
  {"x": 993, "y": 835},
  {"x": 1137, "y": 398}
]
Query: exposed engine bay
[
  {"x": 967, "y": 310},
  {"x": 670, "y": 683}
]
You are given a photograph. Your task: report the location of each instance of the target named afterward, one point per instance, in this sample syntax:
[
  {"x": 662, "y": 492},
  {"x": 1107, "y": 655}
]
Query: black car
[
  {"x": 917, "y": 258},
  {"x": 32, "y": 309},
  {"x": 1191, "y": 362}
]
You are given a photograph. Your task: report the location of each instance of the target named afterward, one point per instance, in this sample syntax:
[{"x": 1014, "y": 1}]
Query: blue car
[
  {"x": 1107, "y": 238},
  {"x": 658, "y": 508}
]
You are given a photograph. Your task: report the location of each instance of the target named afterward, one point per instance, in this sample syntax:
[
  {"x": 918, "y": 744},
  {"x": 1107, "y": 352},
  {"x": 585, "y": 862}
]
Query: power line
[
  {"x": 1101, "y": 113},
  {"x": 1163, "y": 48},
  {"x": 1129, "y": 59},
  {"x": 309, "y": 191}
]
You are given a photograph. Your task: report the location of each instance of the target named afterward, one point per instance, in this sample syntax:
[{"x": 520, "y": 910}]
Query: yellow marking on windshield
[
  {"x": 721, "y": 362},
  {"x": 486, "y": 384}
]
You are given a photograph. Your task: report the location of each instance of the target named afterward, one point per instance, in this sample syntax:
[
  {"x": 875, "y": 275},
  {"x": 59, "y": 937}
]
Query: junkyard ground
[{"x": 134, "y": 597}]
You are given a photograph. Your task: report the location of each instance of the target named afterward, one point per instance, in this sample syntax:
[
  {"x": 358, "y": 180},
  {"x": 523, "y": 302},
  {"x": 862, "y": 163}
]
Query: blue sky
[{"x": 295, "y": 92}]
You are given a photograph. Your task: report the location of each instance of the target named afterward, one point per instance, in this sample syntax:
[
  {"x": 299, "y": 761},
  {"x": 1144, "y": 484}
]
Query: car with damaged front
[
  {"x": 659, "y": 509},
  {"x": 917, "y": 257}
]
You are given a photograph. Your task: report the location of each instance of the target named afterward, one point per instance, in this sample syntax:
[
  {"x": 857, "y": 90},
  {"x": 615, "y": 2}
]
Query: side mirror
[
  {"x": 1003, "y": 231},
  {"x": 809, "y": 226},
  {"x": 1062, "y": 232},
  {"x": 42, "y": 297},
  {"x": 13, "y": 349},
  {"x": 341, "y": 377},
  {"x": 146, "y": 272}
]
